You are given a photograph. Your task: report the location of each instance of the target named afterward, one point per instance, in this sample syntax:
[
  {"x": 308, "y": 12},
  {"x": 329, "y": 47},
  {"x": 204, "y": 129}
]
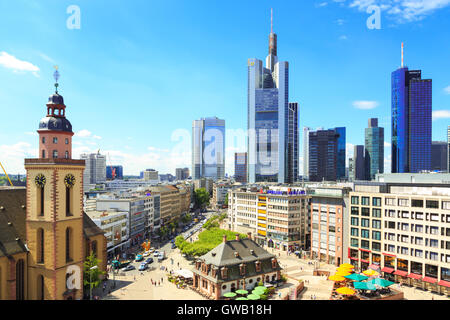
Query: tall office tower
[
  {"x": 208, "y": 148},
  {"x": 240, "y": 167},
  {"x": 439, "y": 156},
  {"x": 341, "y": 149},
  {"x": 374, "y": 143},
  {"x": 448, "y": 149},
  {"x": 411, "y": 121},
  {"x": 323, "y": 155},
  {"x": 292, "y": 143},
  {"x": 306, "y": 151},
  {"x": 359, "y": 163},
  {"x": 95, "y": 171},
  {"x": 268, "y": 94}
]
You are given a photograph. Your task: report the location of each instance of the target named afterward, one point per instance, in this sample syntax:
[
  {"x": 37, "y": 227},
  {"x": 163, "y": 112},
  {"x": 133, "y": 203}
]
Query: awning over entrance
[
  {"x": 401, "y": 273},
  {"x": 414, "y": 276},
  {"x": 444, "y": 283},
  {"x": 429, "y": 279},
  {"x": 387, "y": 270}
]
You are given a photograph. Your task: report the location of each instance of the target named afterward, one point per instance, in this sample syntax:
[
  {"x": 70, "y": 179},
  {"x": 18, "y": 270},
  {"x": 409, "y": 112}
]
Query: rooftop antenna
[
  {"x": 402, "y": 54},
  {"x": 271, "y": 20},
  {"x": 56, "y": 76}
]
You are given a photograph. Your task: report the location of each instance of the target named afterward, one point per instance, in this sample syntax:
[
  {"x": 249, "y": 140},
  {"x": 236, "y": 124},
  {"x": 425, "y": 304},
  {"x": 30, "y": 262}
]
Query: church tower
[{"x": 54, "y": 210}]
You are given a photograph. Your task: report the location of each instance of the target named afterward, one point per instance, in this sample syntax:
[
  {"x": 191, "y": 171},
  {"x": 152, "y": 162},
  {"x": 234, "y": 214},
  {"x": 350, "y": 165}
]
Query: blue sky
[{"x": 137, "y": 73}]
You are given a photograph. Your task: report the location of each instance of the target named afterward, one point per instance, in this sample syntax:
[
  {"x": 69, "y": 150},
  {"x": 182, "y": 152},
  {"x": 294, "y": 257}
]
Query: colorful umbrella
[
  {"x": 345, "y": 291},
  {"x": 241, "y": 291},
  {"x": 347, "y": 265},
  {"x": 261, "y": 287},
  {"x": 253, "y": 297},
  {"x": 336, "y": 278},
  {"x": 344, "y": 270},
  {"x": 356, "y": 277},
  {"x": 342, "y": 273},
  {"x": 381, "y": 282},
  {"x": 364, "y": 286},
  {"x": 258, "y": 291},
  {"x": 241, "y": 298},
  {"x": 230, "y": 294},
  {"x": 371, "y": 272}
]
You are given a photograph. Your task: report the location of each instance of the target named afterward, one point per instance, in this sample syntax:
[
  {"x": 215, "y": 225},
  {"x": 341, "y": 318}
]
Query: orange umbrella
[
  {"x": 336, "y": 278},
  {"x": 345, "y": 291}
]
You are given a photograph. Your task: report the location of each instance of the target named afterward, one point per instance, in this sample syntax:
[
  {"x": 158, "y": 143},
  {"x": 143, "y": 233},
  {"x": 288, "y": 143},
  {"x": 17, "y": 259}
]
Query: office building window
[
  {"x": 376, "y": 213},
  {"x": 376, "y": 202},
  {"x": 365, "y": 233},
  {"x": 365, "y": 212},
  {"x": 355, "y": 211},
  {"x": 376, "y": 235},
  {"x": 355, "y": 200},
  {"x": 55, "y": 140},
  {"x": 365, "y": 201}
]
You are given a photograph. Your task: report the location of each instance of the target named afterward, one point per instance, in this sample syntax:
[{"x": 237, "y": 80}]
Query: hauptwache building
[{"x": 45, "y": 235}]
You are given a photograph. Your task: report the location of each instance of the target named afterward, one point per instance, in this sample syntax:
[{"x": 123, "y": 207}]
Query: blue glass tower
[
  {"x": 341, "y": 144},
  {"x": 411, "y": 121}
]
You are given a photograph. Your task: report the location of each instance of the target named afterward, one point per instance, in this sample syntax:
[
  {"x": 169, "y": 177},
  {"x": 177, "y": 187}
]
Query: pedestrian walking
[{"x": 158, "y": 284}]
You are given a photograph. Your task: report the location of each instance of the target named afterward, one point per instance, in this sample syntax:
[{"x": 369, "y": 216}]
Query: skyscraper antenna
[
  {"x": 271, "y": 20},
  {"x": 402, "y": 54}
]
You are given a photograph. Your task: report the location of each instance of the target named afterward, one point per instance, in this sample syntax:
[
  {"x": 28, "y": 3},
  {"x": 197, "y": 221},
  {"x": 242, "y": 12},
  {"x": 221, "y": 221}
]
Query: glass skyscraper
[
  {"x": 411, "y": 121},
  {"x": 208, "y": 148},
  {"x": 268, "y": 119},
  {"x": 374, "y": 144},
  {"x": 448, "y": 150},
  {"x": 341, "y": 149}
]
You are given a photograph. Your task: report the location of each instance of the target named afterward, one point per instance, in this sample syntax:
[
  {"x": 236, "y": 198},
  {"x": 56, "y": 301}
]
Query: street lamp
[{"x": 90, "y": 280}]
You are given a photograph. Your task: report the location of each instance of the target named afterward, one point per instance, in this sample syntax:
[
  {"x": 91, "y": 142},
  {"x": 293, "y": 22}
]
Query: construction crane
[
  {"x": 113, "y": 170},
  {"x": 6, "y": 175}
]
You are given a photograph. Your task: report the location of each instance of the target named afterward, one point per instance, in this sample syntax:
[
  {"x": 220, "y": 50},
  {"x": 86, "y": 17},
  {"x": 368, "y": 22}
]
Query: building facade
[
  {"x": 182, "y": 173},
  {"x": 357, "y": 164},
  {"x": 95, "y": 171},
  {"x": 208, "y": 148},
  {"x": 403, "y": 228},
  {"x": 114, "y": 172},
  {"x": 275, "y": 218},
  {"x": 411, "y": 121},
  {"x": 374, "y": 144},
  {"x": 292, "y": 144},
  {"x": 439, "y": 156},
  {"x": 306, "y": 152},
  {"x": 240, "y": 167}
]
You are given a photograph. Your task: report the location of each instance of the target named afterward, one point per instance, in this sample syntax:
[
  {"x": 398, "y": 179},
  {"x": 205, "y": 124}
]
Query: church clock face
[
  {"x": 40, "y": 180},
  {"x": 69, "y": 180}
]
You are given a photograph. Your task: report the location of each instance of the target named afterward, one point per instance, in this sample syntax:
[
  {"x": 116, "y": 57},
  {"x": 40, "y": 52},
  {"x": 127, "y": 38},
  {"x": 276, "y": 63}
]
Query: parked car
[
  {"x": 139, "y": 257},
  {"x": 156, "y": 253},
  {"x": 151, "y": 250},
  {"x": 149, "y": 260},
  {"x": 128, "y": 268},
  {"x": 143, "y": 266},
  {"x": 146, "y": 253}
]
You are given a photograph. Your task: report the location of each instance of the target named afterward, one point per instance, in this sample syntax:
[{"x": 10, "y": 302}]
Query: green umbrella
[
  {"x": 230, "y": 294},
  {"x": 241, "y": 298},
  {"x": 253, "y": 297},
  {"x": 241, "y": 291},
  {"x": 356, "y": 277},
  {"x": 364, "y": 286},
  {"x": 261, "y": 287},
  {"x": 381, "y": 282}
]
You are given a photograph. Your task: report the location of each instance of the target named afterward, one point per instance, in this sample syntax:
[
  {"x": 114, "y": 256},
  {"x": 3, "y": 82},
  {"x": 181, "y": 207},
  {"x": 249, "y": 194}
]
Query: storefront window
[
  {"x": 416, "y": 267},
  {"x": 445, "y": 274},
  {"x": 376, "y": 258},
  {"x": 402, "y": 264},
  {"x": 431, "y": 271},
  {"x": 389, "y": 261}
]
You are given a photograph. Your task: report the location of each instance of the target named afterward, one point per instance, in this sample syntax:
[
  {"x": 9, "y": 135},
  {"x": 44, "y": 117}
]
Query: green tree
[
  {"x": 201, "y": 198},
  {"x": 226, "y": 200},
  {"x": 92, "y": 276}
]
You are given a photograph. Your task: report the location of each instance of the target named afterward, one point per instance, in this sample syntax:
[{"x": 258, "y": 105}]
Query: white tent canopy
[{"x": 184, "y": 273}]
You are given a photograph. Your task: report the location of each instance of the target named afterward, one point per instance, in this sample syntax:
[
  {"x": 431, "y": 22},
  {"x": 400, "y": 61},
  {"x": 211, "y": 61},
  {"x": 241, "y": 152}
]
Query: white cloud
[
  {"x": 403, "y": 10},
  {"x": 441, "y": 114},
  {"x": 46, "y": 58},
  {"x": 322, "y": 4},
  {"x": 387, "y": 144},
  {"x": 343, "y": 37},
  {"x": 83, "y": 133},
  {"x": 340, "y": 21},
  {"x": 12, "y": 156},
  {"x": 10, "y": 62},
  {"x": 447, "y": 90},
  {"x": 365, "y": 105},
  {"x": 31, "y": 133},
  {"x": 96, "y": 137}
]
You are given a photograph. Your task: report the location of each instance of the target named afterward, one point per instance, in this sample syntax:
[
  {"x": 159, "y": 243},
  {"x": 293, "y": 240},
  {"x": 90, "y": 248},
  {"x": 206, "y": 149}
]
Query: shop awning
[
  {"x": 414, "y": 276},
  {"x": 429, "y": 279},
  {"x": 351, "y": 258},
  {"x": 401, "y": 273},
  {"x": 375, "y": 267},
  {"x": 387, "y": 270},
  {"x": 444, "y": 283}
]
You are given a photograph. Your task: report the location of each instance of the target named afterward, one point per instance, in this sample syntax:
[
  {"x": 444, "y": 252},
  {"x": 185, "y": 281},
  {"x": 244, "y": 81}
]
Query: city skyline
[{"x": 98, "y": 89}]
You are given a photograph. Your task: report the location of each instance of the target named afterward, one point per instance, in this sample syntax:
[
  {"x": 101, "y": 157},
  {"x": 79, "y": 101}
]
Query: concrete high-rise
[
  {"x": 374, "y": 144},
  {"x": 411, "y": 121},
  {"x": 95, "y": 171},
  {"x": 268, "y": 117},
  {"x": 182, "y": 173},
  {"x": 359, "y": 163},
  {"x": 208, "y": 148}
]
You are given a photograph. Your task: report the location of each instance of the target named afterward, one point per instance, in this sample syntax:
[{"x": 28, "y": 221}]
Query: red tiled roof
[
  {"x": 387, "y": 270},
  {"x": 401, "y": 273},
  {"x": 429, "y": 279},
  {"x": 414, "y": 276}
]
